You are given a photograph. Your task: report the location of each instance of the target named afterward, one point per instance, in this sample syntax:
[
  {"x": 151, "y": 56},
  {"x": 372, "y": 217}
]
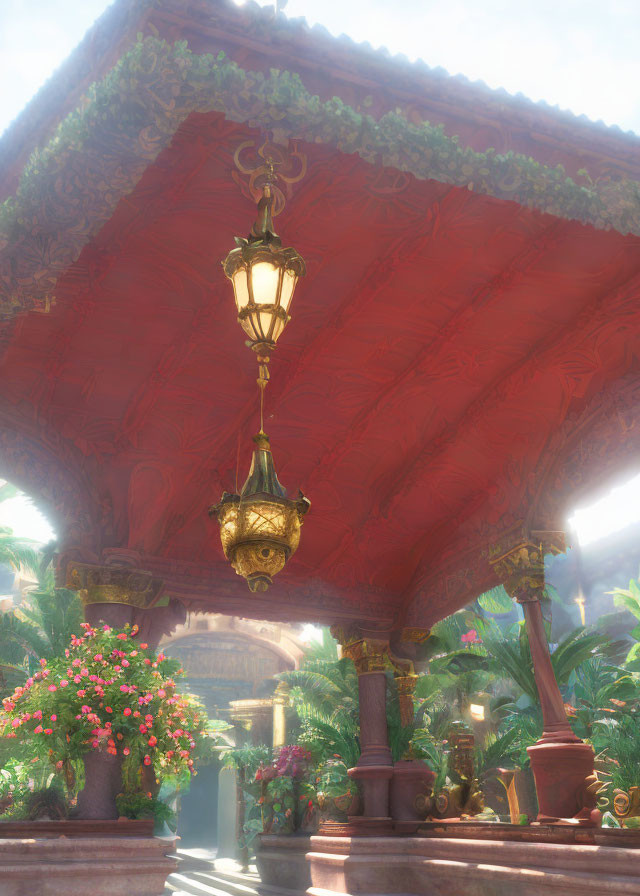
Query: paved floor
[{"x": 201, "y": 873}]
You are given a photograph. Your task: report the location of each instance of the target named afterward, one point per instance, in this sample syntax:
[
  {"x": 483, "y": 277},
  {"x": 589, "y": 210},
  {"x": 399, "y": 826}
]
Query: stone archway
[{"x": 230, "y": 664}]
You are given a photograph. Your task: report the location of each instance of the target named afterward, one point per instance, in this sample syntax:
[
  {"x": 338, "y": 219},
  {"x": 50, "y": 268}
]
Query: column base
[
  {"x": 374, "y": 780},
  {"x": 566, "y": 783}
]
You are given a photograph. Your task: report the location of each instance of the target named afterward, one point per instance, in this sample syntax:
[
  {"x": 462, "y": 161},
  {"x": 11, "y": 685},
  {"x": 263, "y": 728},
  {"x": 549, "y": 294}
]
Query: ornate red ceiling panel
[{"x": 453, "y": 359}]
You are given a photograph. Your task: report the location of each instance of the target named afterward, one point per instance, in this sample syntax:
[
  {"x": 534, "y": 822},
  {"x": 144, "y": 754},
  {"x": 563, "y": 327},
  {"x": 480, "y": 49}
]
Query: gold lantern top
[
  {"x": 264, "y": 277},
  {"x": 260, "y": 527}
]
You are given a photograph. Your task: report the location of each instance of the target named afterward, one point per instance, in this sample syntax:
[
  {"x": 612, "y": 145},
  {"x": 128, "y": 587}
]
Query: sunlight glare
[
  {"x": 25, "y": 520},
  {"x": 615, "y": 511}
]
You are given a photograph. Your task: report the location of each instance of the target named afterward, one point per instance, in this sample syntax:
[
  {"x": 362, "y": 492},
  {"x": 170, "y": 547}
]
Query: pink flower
[
  {"x": 54, "y": 717},
  {"x": 125, "y": 662},
  {"x": 126, "y": 751},
  {"x": 37, "y": 729},
  {"x": 143, "y": 729},
  {"x": 106, "y": 628},
  {"x": 77, "y": 679},
  {"x": 85, "y": 709},
  {"x": 117, "y": 668},
  {"x": 16, "y": 723},
  {"x": 471, "y": 637},
  {"x": 43, "y": 663},
  {"x": 153, "y": 740},
  {"x": 162, "y": 692},
  {"x": 63, "y": 683},
  {"x": 37, "y": 714},
  {"x": 121, "y": 636},
  {"x": 48, "y": 730},
  {"x": 98, "y": 657},
  {"x": 127, "y": 711},
  {"x": 147, "y": 760},
  {"x": 84, "y": 672},
  {"x": 52, "y": 688},
  {"x": 81, "y": 692}
]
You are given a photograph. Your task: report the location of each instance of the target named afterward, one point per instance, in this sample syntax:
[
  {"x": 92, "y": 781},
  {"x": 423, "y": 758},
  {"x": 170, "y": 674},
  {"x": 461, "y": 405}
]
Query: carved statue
[{"x": 462, "y": 797}]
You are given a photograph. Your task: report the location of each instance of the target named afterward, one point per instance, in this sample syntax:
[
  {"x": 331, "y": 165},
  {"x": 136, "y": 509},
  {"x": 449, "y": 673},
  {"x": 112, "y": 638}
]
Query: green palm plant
[
  {"x": 18, "y": 553},
  {"x": 510, "y": 656},
  {"x": 40, "y": 627},
  {"x": 629, "y": 598},
  {"x": 324, "y": 695}
]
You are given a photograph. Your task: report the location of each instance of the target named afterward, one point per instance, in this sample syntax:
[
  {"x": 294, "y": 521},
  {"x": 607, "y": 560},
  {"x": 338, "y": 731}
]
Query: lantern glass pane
[
  {"x": 240, "y": 288},
  {"x": 288, "y": 285},
  {"x": 265, "y": 278},
  {"x": 248, "y": 328},
  {"x": 265, "y": 323},
  {"x": 278, "y": 328}
]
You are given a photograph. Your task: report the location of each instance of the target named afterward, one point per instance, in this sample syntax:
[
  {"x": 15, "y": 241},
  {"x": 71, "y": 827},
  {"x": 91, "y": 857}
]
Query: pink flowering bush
[
  {"x": 107, "y": 692},
  {"x": 286, "y": 794}
]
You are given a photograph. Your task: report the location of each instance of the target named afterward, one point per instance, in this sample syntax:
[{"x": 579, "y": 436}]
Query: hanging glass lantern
[
  {"x": 260, "y": 527},
  {"x": 264, "y": 277}
]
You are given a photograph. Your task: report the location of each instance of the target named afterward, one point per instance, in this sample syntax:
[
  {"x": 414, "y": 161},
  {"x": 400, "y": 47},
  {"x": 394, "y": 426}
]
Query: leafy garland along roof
[{"x": 130, "y": 116}]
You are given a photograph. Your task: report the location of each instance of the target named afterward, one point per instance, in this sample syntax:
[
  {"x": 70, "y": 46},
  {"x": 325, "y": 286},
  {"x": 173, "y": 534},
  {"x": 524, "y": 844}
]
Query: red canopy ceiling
[{"x": 456, "y": 364}]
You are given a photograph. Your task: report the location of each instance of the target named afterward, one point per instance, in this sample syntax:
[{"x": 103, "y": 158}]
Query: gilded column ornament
[
  {"x": 406, "y": 685},
  {"x": 114, "y": 585},
  {"x": 518, "y": 561}
]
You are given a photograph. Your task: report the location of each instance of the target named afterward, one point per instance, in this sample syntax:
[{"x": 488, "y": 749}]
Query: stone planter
[
  {"x": 102, "y": 783},
  {"x": 411, "y": 784},
  {"x": 563, "y": 772},
  {"x": 282, "y": 863},
  {"x": 338, "y": 807},
  {"x": 110, "y": 862}
]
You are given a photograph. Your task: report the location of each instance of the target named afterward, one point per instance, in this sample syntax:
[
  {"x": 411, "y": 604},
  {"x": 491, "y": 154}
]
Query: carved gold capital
[
  {"x": 519, "y": 562},
  {"x": 406, "y": 684},
  {"x": 368, "y": 654},
  {"x": 113, "y": 585}
]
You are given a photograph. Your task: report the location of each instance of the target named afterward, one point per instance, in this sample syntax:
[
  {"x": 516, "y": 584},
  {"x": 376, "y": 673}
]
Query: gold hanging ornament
[{"x": 260, "y": 527}]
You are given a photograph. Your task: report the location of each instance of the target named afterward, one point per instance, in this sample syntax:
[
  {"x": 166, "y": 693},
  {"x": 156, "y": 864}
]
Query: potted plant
[
  {"x": 337, "y": 794},
  {"x": 108, "y": 702},
  {"x": 285, "y": 794}
]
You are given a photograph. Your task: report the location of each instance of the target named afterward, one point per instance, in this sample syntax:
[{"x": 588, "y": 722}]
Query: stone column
[
  {"x": 566, "y": 784},
  {"x": 280, "y": 703},
  {"x": 375, "y": 767},
  {"x": 117, "y": 593}
]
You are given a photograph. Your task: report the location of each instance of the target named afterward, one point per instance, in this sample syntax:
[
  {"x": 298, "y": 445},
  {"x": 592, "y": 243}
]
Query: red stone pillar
[
  {"x": 375, "y": 767},
  {"x": 116, "y": 593},
  {"x": 562, "y": 764}
]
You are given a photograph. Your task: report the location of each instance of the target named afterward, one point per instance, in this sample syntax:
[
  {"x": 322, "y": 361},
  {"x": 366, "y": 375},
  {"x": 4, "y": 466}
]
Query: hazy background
[{"x": 583, "y": 55}]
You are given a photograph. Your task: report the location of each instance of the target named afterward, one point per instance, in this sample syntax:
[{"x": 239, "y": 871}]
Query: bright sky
[
  {"x": 20, "y": 515},
  {"x": 579, "y": 54},
  {"x": 609, "y": 514}
]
